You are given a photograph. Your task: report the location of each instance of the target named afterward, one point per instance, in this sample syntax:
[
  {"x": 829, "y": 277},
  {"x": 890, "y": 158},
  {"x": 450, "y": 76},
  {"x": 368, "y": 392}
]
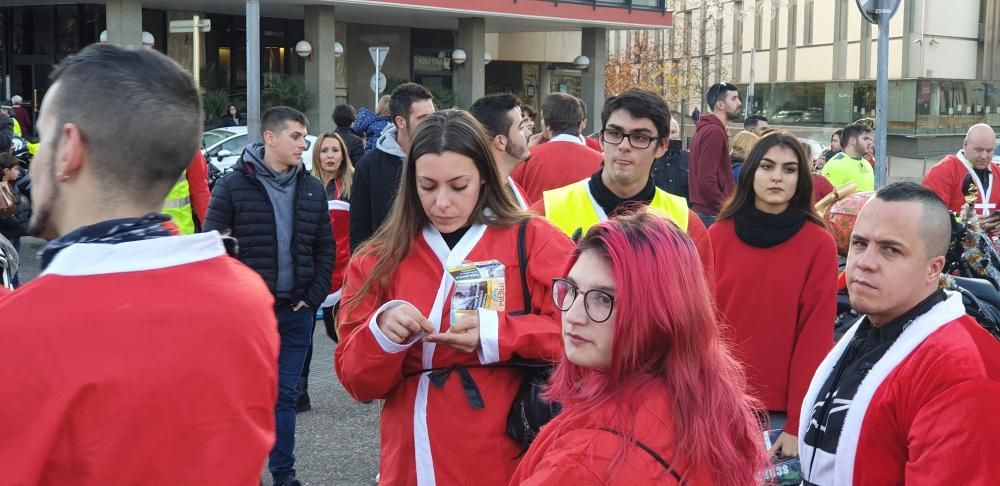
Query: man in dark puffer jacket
[{"x": 279, "y": 216}]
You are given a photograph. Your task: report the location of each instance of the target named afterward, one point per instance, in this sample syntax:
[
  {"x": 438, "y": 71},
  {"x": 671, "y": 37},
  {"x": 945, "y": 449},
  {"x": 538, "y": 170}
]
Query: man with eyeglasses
[
  {"x": 710, "y": 180},
  {"x": 635, "y": 132}
]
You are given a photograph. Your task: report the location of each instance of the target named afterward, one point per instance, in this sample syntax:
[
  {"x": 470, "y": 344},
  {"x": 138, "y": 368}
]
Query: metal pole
[
  {"x": 253, "y": 71},
  {"x": 195, "y": 61},
  {"x": 378, "y": 70},
  {"x": 882, "y": 100},
  {"x": 753, "y": 74}
]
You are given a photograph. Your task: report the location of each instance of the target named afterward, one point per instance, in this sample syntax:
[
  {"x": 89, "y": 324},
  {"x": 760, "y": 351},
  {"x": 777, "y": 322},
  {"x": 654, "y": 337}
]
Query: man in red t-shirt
[{"x": 710, "y": 176}]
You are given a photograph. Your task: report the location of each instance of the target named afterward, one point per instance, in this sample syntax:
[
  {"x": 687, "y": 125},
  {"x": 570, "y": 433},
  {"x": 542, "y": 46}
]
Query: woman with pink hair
[{"x": 649, "y": 391}]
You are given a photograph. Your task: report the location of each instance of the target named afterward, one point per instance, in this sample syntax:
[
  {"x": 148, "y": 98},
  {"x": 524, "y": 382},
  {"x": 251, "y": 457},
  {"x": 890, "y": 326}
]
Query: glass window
[{"x": 67, "y": 31}]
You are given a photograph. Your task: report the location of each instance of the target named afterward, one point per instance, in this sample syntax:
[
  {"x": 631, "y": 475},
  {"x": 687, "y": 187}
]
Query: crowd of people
[{"x": 637, "y": 313}]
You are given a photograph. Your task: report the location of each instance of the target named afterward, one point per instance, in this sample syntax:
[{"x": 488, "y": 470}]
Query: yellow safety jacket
[
  {"x": 17, "y": 127},
  {"x": 178, "y": 206},
  {"x": 574, "y": 210}
]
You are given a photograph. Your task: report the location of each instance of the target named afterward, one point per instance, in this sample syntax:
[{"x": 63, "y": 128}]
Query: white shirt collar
[{"x": 565, "y": 137}]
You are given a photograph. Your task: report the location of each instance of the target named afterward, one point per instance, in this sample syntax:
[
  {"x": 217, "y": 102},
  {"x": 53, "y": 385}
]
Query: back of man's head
[
  {"x": 492, "y": 111},
  {"x": 403, "y": 97},
  {"x": 16, "y": 100},
  {"x": 137, "y": 110},
  {"x": 276, "y": 119},
  {"x": 640, "y": 103},
  {"x": 344, "y": 115},
  {"x": 752, "y": 121},
  {"x": 716, "y": 93},
  {"x": 935, "y": 220},
  {"x": 853, "y": 131},
  {"x": 562, "y": 114}
]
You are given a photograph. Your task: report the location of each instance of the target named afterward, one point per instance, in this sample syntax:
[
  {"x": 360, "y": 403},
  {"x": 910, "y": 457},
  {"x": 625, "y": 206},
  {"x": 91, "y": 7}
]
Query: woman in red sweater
[
  {"x": 769, "y": 238},
  {"x": 650, "y": 394}
]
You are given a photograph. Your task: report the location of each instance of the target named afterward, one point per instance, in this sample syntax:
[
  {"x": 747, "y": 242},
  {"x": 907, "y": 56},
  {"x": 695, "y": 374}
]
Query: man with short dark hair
[
  {"x": 565, "y": 158},
  {"x": 635, "y": 131},
  {"x": 710, "y": 180},
  {"x": 378, "y": 174},
  {"x": 851, "y": 165},
  {"x": 670, "y": 171},
  {"x": 908, "y": 394},
  {"x": 138, "y": 356},
  {"x": 756, "y": 124},
  {"x": 501, "y": 115},
  {"x": 278, "y": 214},
  {"x": 343, "y": 117}
]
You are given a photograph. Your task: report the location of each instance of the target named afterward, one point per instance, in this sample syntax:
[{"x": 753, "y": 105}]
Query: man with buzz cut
[
  {"x": 907, "y": 395},
  {"x": 278, "y": 214}
]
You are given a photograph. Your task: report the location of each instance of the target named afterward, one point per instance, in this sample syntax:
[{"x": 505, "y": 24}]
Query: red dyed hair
[{"x": 666, "y": 335}]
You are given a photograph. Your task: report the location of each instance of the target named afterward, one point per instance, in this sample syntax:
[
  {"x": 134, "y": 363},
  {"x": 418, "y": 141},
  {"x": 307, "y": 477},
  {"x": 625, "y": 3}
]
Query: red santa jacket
[
  {"x": 150, "y": 362},
  {"x": 197, "y": 178},
  {"x": 340, "y": 226},
  {"x": 925, "y": 412},
  {"x": 946, "y": 180},
  {"x": 577, "y": 452},
  {"x": 430, "y": 435},
  {"x": 556, "y": 164}
]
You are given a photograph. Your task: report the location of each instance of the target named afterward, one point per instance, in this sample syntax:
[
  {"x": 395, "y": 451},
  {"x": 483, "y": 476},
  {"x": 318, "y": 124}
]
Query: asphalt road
[{"x": 336, "y": 442}]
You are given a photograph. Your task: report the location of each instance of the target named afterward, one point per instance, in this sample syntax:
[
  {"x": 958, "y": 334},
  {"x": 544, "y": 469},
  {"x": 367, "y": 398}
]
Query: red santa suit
[
  {"x": 151, "y": 362},
  {"x": 947, "y": 180},
  {"x": 340, "y": 225},
  {"x": 923, "y": 414},
  {"x": 560, "y": 162},
  {"x": 431, "y": 435},
  {"x": 577, "y": 452}
]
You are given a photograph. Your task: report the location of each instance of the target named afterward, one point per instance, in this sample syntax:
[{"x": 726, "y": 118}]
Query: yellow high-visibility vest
[
  {"x": 178, "y": 206},
  {"x": 574, "y": 210}
]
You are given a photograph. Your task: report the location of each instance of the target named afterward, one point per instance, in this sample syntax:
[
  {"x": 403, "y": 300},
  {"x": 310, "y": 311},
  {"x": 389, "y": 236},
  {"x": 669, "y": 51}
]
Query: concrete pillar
[
  {"x": 840, "y": 39},
  {"x": 124, "y": 20},
  {"x": 544, "y": 82},
  {"x": 865, "y": 52},
  {"x": 321, "y": 67},
  {"x": 594, "y": 44},
  {"x": 469, "y": 79}
]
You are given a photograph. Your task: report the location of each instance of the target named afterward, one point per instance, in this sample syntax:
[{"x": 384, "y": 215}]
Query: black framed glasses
[
  {"x": 598, "y": 303},
  {"x": 636, "y": 140}
]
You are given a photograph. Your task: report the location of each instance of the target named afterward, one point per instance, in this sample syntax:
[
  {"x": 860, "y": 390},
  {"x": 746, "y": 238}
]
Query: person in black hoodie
[
  {"x": 343, "y": 117},
  {"x": 670, "y": 172},
  {"x": 378, "y": 173},
  {"x": 279, "y": 216}
]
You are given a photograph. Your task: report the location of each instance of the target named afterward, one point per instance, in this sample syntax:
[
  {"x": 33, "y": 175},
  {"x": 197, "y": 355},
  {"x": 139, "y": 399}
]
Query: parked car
[
  {"x": 223, "y": 147},
  {"x": 787, "y": 116}
]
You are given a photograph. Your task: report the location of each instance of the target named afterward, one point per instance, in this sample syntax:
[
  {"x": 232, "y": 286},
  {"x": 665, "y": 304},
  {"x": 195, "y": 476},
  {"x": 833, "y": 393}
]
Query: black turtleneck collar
[
  {"x": 610, "y": 201},
  {"x": 453, "y": 238},
  {"x": 764, "y": 230}
]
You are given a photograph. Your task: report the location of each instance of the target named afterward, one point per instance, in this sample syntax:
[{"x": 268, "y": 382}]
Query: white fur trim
[
  {"x": 489, "y": 336},
  {"x": 521, "y": 201},
  {"x": 383, "y": 340},
  {"x": 915, "y": 334},
  {"x": 332, "y": 299},
  {"x": 135, "y": 256},
  {"x": 338, "y": 205},
  {"x": 448, "y": 257}
]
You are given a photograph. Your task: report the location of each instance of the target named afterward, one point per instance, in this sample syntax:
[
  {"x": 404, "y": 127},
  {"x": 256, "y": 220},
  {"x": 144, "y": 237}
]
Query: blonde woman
[
  {"x": 741, "y": 145},
  {"x": 331, "y": 164}
]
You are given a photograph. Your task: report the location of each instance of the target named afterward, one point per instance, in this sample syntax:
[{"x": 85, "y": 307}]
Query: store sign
[{"x": 431, "y": 64}]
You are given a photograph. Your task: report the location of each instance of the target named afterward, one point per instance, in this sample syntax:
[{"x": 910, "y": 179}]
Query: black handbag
[{"x": 529, "y": 412}]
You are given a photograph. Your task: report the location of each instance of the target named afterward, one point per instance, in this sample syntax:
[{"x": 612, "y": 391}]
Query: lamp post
[{"x": 879, "y": 12}]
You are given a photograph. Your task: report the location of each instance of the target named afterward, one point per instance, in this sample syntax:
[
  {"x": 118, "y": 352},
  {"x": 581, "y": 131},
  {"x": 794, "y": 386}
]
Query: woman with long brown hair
[
  {"x": 768, "y": 237},
  {"x": 397, "y": 321}
]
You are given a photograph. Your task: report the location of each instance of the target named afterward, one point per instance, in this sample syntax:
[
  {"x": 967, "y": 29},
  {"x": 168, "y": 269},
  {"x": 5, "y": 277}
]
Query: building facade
[
  {"x": 811, "y": 64},
  {"x": 529, "y": 48}
]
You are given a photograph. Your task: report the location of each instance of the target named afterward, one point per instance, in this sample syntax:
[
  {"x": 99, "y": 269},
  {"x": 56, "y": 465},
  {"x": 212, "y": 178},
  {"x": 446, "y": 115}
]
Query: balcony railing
[{"x": 648, "y": 5}]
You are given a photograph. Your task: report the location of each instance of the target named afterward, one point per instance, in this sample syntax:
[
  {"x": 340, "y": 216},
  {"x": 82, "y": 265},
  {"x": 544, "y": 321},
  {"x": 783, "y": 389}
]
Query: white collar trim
[{"x": 135, "y": 256}]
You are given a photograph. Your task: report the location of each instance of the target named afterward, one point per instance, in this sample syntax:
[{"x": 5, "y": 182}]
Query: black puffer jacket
[{"x": 240, "y": 205}]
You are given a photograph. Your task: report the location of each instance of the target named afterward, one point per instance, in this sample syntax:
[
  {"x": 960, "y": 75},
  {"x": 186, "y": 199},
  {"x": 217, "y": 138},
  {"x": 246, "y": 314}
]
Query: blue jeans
[{"x": 295, "y": 328}]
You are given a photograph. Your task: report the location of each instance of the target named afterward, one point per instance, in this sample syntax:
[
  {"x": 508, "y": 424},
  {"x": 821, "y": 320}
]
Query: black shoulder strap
[
  {"x": 666, "y": 465},
  {"x": 522, "y": 259}
]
